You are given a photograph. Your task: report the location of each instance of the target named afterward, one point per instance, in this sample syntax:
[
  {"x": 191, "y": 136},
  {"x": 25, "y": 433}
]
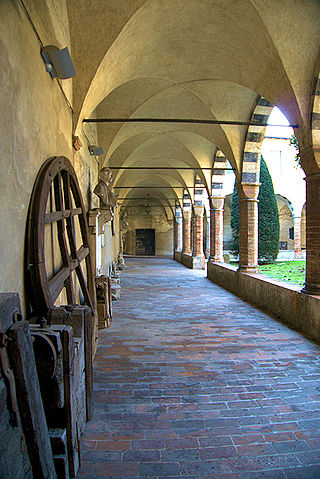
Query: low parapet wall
[
  {"x": 192, "y": 262},
  {"x": 280, "y": 299}
]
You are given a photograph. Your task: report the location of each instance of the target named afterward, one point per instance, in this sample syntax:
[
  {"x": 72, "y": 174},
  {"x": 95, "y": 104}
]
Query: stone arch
[
  {"x": 253, "y": 143},
  {"x": 187, "y": 202},
  {"x": 315, "y": 117},
  {"x": 199, "y": 192},
  {"x": 218, "y": 174}
]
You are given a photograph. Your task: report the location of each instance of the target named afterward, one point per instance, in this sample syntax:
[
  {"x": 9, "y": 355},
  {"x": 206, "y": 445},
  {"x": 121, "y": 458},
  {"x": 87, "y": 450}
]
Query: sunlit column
[
  {"x": 248, "y": 228},
  {"x": 186, "y": 237},
  {"x": 216, "y": 229}
]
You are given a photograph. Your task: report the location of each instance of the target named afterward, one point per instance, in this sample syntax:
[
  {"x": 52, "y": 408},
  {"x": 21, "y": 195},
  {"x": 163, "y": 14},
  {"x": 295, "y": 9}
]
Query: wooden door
[{"x": 145, "y": 242}]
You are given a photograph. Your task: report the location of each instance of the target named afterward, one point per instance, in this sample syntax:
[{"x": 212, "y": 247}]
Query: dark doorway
[{"x": 145, "y": 242}]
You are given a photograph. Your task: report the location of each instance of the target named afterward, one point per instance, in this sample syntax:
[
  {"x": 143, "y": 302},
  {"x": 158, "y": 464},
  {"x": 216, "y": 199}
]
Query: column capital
[
  {"x": 217, "y": 203},
  {"x": 310, "y": 159},
  {"x": 186, "y": 214},
  {"x": 313, "y": 177},
  {"x": 248, "y": 191},
  {"x": 198, "y": 210}
]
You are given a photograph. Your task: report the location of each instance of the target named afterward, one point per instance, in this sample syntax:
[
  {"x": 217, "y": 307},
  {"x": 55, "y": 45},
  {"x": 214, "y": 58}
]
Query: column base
[
  {"x": 313, "y": 289},
  {"x": 298, "y": 254},
  {"x": 177, "y": 256},
  {"x": 198, "y": 262},
  {"x": 216, "y": 260},
  {"x": 248, "y": 269},
  {"x": 193, "y": 262}
]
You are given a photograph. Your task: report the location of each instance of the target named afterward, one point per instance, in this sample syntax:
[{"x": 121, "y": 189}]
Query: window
[{"x": 291, "y": 233}]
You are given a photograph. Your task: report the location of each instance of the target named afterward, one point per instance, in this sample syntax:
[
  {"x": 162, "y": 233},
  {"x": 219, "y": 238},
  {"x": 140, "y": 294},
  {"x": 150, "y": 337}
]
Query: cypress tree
[
  {"x": 268, "y": 223},
  {"x": 235, "y": 219},
  {"x": 269, "y": 227}
]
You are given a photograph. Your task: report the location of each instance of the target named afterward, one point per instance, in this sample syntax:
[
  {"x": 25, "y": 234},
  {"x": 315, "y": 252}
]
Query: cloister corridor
[{"x": 193, "y": 382}]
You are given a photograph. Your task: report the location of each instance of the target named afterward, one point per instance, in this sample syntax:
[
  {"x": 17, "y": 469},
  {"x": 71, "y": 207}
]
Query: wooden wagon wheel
[{"x": 56, "y": 200}]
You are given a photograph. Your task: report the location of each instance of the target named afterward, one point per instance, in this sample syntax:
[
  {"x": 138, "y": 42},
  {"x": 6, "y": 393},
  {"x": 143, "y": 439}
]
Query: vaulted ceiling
[{"x": 189, "y": 59}]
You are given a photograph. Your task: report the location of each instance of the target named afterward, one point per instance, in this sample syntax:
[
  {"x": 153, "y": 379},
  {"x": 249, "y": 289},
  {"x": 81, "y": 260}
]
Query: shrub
[{"x": 268, "y": 222}]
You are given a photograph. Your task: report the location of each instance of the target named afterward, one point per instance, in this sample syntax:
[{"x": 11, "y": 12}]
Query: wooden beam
[{"x": 31, "y": 410}]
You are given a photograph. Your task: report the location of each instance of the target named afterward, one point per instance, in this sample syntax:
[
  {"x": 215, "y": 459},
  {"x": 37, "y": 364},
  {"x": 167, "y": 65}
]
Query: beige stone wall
[
  {"x": 137, "y": 219},
  {"x": 36, "y": 123}
]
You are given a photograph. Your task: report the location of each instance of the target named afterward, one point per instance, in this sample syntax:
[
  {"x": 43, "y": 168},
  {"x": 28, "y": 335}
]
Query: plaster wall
[
  {"x": 88, "y": 167},
  {"x": 287, "y": 176},
  {"x": 284, "y": 301},
  {"x": 36, "y": 123}
]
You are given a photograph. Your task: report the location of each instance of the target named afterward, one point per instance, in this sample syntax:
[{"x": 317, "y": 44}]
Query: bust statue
[
  {"x": 104, "y": 190},
  {"x": 124, "y": 221}
]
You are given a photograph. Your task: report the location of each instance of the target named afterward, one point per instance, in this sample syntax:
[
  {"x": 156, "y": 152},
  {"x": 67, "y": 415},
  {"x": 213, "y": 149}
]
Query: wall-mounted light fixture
[
  {"x": 58, "y": 62},
  {"x": 95, "y": 150}
]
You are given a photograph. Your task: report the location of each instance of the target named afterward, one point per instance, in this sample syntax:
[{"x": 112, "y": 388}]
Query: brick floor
[{"x": 192, "y": 382}]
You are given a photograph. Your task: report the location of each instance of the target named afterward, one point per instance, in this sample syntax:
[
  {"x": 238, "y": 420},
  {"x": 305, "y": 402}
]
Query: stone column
[
  {"x": 197, "y": 249},
  {"x": 207, "y": 226},
  {"x": 297, "y": 237},
  {"x": 178, "y": 232},
  {"x": 248, "y": 228},
  {"x": 186, "y": 232},
  {"x": 312, "y": 284},
  {"x": 216, "y": 229}
]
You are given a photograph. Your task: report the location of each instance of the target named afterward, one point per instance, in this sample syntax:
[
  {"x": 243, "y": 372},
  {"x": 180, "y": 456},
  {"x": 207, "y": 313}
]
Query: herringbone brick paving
[{"x": 192, "y": 382}]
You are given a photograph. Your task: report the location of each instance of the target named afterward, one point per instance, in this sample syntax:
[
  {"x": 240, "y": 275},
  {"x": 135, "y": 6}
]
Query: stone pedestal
[{"x": 104, "y": 308}]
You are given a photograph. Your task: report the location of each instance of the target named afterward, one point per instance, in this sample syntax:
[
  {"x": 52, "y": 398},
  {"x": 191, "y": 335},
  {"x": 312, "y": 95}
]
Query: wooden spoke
[
  {"x": 59, "y": 173},
  {"x": 58, "y": 215},
  {"x": 83, "y": 286},
  {"x": 56, "y": 284},
  {"x": 82, "y": 253},
  {"x": 69, "y": 219},
  {"x": 68, "y": 283}
]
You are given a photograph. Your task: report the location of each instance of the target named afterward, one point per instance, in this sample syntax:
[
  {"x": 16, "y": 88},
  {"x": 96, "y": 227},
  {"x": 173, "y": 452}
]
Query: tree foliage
[
  {"x": 294, "y": 142},
  {"x": 269, "y": 227},
  {"x": 268, "y": 223},
  {"x": 235, "y": 219}
]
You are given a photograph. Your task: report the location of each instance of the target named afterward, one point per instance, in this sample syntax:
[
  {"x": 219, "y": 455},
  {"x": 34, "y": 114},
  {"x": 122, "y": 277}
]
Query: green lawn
[{"x": 293, "y": 271}]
